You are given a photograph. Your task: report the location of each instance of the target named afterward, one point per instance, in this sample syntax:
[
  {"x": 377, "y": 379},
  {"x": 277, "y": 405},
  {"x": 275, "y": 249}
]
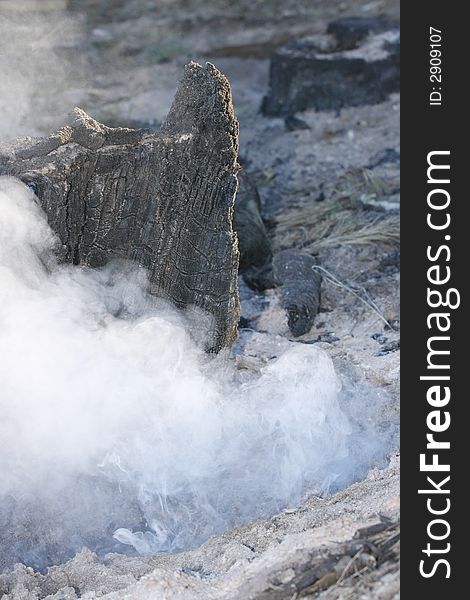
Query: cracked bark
[{"x": 164, "y": 200}]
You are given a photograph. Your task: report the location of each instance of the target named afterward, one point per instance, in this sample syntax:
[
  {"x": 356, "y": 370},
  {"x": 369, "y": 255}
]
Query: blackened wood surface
[
  {"x": 360, "y": 65},
  {"x": 164, "y": 200},
  {"x": 300, "y": 283}
]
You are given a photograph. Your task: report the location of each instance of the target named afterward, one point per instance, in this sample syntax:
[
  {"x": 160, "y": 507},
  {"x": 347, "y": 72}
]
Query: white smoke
[
  {"x": 40, "y": 74},
  {"x": 114, "y": 423}
]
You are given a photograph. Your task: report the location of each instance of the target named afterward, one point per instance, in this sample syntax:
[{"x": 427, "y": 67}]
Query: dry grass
[{"x": 341, "y": 220}]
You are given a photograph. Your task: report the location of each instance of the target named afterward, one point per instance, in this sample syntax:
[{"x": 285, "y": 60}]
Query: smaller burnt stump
[{"x": 359, "y": 63}]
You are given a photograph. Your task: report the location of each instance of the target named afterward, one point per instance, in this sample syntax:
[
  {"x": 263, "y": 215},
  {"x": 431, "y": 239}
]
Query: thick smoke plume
[{"x": 118, "y": 432}]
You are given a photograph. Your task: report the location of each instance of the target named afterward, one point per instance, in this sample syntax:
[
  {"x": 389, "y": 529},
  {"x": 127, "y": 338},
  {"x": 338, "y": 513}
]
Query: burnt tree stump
[
  {"x": 358, "y": 64},
  {"x": 164, "y": 200}
]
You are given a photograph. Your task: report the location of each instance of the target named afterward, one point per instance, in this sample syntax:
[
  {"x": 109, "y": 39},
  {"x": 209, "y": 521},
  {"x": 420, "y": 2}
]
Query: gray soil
[{"x": 121, "y": 62}]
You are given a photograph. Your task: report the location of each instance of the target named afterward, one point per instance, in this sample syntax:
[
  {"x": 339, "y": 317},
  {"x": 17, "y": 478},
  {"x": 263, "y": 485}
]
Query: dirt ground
[{"x": 120, "y": 60}]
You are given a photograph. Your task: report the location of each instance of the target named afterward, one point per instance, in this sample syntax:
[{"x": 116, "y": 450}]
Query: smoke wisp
[
  {"x": 119, "y": 433},
  {"x": 41, "y": 73}
]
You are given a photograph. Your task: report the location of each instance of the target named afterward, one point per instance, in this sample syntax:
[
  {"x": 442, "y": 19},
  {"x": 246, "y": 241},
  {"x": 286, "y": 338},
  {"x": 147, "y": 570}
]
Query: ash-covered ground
[{"x": 329, "y": 185}]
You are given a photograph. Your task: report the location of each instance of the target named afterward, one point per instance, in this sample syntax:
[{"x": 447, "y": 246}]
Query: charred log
[{"x": 300, "y": 288}]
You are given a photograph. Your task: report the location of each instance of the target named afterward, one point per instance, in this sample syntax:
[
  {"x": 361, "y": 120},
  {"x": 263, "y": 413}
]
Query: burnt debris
[{"x": 357, "y": 63}]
